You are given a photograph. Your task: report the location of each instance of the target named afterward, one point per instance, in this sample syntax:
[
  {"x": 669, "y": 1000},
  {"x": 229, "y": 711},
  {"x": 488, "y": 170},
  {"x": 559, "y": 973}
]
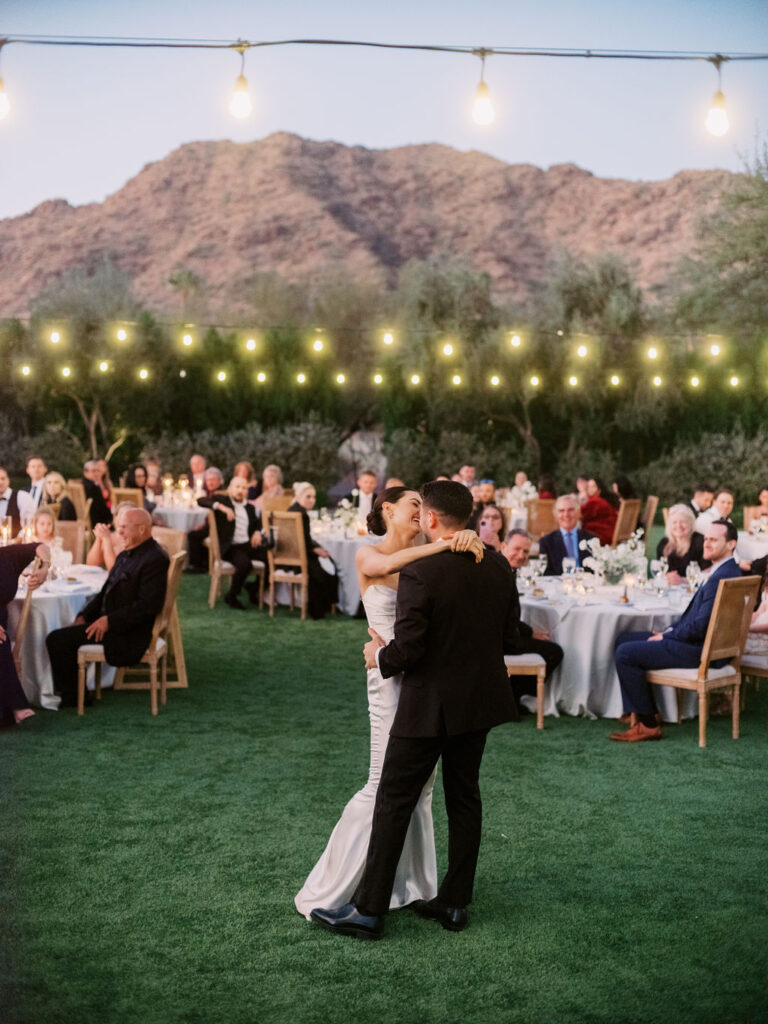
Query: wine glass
[
  {"x": 569, "y": 566},
  {"x": 693, "y": 574}
]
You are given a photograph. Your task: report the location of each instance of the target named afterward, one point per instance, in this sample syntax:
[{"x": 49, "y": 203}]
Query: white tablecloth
[
  {"x": 586, "y": 682},
  {"x": 751, "y": 547},
  {"x": 54, "y": 605},
  {"x": 180, "y": 518},
  {"x": 343, "y": 551}
]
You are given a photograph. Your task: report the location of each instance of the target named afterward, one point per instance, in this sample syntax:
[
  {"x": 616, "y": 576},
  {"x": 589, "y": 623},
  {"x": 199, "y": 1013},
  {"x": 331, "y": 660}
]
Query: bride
[{"x": 334, "y": 878}]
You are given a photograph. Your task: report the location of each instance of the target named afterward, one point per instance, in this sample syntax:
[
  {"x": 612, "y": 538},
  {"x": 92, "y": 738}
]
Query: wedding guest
[
  {"x": 240, "y": 538},
  {"x": 702, "y": 498},
  {"x": 680, "y": 645},
  {"x": 271, "y": 485},
  {"x": 108, "y": 542},
  {"x": 122, "y": 614},
  {"x": 323, "y": 587},
  {"x": 565, "y": 541},
  {"x": 467, "y": 475},
  {"x": 721, "y": 508},
  {"x": 581, "y": 488},
  {"x": 154, "y": 478},
  {"x": 197, "y": 466},
  {"x": 213, "y": 481},
  {"x": 16, "y": 504},
  {"x": 137, "y": 477},
  {"x": 366, "y": 494},
  {"x": 44, "y": 526},
  {"x": 105, "y": 482},
  {"x": 483, "y": 494},
  {"x": 490, "y": 527},
  {"x": 92, "y": 477},
  {"x": 248, "y": 473},
  {"x": 547, "y": 487},
  {"x": 55, "y": 493},
  {"x": 757, "y": 638},
  {"x": 14, "y": 558},
  {"x": 681, "y": 545},
  {"x": 599, "y": 511},
  {"x": 517, "y": 549},
  {"x": 622, "y": 488},
  {"x": 759, "y": 511},
  {"x": 36, "y": 470}
]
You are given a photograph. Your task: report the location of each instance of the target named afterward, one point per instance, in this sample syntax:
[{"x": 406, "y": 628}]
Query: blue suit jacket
[
  {"x": 553, "y": 546},
  {"x": 692, "y": 626}
]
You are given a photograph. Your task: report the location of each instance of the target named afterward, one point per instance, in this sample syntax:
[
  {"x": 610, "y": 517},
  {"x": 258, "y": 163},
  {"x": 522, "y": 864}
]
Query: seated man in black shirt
[{"x": 122, "y": 614}]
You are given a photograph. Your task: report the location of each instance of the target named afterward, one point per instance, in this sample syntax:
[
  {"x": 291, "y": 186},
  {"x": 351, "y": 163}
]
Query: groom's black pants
[{"x": 408, "y": 764}]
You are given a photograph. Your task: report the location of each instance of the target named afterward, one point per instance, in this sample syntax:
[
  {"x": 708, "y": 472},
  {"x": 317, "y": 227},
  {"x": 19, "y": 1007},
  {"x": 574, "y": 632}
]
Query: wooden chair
[
  {"x": 647, "y": 518},
  {"x": 726, "y": 636},
  {"x": 72, "y": 539},
  {"x": 217, "y": 567},
  {"x": 530, "y": 665},
  {"x": 76, "y": 493},
  {"x": 279, "y": 504},
  {"x": 173, "y": 541},
  {"x": 155, "y": 655},
  {"x": 290, "y": 552},
  {"x": 541, "y": 516},
  {"x": 134, "y": 495},
  {"x": 21, "y": 629},
  {"x": 54, "y": 507},
  {"x": 665, "y": 513},
  {"x": 626, "y": 520}
]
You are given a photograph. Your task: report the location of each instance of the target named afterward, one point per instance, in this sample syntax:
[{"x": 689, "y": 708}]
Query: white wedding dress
[{"x": 334, "y": 878}]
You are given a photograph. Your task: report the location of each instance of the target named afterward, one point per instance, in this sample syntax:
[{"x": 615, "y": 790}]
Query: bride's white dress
[{"x": 334, "y": 878}]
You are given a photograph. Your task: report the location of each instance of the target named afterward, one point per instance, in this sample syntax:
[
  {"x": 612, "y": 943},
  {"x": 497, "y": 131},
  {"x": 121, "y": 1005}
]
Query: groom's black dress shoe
[
  {"x": 348, "y": 920},
  {"x": 453, "y": 919}
]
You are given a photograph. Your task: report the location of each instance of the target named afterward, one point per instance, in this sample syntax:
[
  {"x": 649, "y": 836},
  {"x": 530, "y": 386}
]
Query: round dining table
[
  {"x": 586, "y": 625},
  {"x": 55, "y": 604},
  {"x": 181, "y": 517},
  {"x": 342, "y": 550}
]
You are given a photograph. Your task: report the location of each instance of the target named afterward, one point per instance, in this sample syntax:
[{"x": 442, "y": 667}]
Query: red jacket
[{"x": 599, "y": 517}]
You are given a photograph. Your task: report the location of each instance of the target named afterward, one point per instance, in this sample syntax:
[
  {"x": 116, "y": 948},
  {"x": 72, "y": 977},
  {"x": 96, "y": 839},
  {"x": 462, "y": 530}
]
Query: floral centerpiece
[
  {"x": 346, "y": 512},
  {"x": 520, "y": 496},
  {"x": 759, "y": 527},
  {"x": 613, "y": 563}
]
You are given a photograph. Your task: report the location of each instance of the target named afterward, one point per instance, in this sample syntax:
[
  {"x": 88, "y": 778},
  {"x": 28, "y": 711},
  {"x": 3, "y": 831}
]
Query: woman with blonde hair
[
  {"x": 682, "y": 545},
  {"x": 271, "y": 484},
  {"x": 44, "y": 525},
  {"x": 55, "y": 493}
]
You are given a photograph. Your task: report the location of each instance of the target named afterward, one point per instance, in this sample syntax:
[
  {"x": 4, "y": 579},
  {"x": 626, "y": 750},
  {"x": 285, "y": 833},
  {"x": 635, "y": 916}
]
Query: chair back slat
[
  {"x": 163, "y": 618},
  {"x": 290, "y": 549},
  {"x": 281, "y": 503},
  {"x": 541, "y": 516},
  {"x": 173, "y": 541},
  {"x": 730, "y": 619},
  {"x": 132, "y": 494},
  {"x": 72, "y": 539},
  {"x": 649, "y": 513},
  {"x": 626, "y": 520},
  {"x": 21, "y": 630},
  {"x": 665, "y": 513},
  {"x": 214, "y": 548},
  {"x": 76, "y": 493}
]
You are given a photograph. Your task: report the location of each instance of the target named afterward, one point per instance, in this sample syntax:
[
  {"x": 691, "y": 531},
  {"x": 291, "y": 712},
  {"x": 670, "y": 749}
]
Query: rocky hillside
[{"x": 297, "y": 207}]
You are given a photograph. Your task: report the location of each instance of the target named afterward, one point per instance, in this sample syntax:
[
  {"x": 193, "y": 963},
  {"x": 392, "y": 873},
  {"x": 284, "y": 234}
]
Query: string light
[
  {"x": 388, "y": 338},
  {"x": 656, "y": 382},
  {"x": 55, "y": 337},
  {"x": 515, "y": 341},
  {"x": 448, "y": 349},
  {"x": 187, "y": 340},
  {"x": 456, "y": 379},
  {"x": 615, "y": 380},
  {"x": 534, "y": 381},
  {"x": 695, "y": 382},
  {"x": 261, "y": 377},
  {"x": 573, "y": 382},
  {"x": 26, "y": 370},
  {"x": 581, "y": 351},
  {"x": 717, "y": 118},
  {"x": 121, "y": 334},
  {"x": 653, "y": 352},
  {"x": 103, "y": 366},
  {"x": 301, "y": 378},
  {"x": 734, "y": 382},
  {"x": 182, "y": 373},
  {"x": 415, "y": 378},
  {"x": 251, "y": 344},
  {"x": 482, "y": 111},
  {"x": 66, "y": 371},
  {"x": 221, "y": 376},
  {"x": 340, "y": 378},
  {"x": 495, "y": 381},
  {"x": 378, "y": 378},
  {"x": 317, "y": 344},
  {"x": 714, "y": 350},
  {"x": 143, "y": 373},
  {"x": 240, "y": 105}
]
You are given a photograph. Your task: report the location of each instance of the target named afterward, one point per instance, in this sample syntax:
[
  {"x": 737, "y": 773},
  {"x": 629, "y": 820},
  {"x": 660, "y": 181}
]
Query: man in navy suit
[
  {"x": 680, "y": 646},
  {"x": 564, "y": 541}
]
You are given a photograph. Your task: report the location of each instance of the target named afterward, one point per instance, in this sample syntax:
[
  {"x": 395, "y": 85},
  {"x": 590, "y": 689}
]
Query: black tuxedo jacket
[
  {"x": 226, "y": 526},
  {"x": 454, "y": 618},
  {"x": 354, "y": 499},
  {"x": 131, "y": 597},
  {"x": 99, "y": 511},
  {"x": 553, "y": 546},
  {"x": 523, "y": 629}
]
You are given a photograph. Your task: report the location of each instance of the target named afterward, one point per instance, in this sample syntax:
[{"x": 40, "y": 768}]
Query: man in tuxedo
[
  {"x": 366, "y": 494},
  {"x": 466, "y": 475},
  {"x": 453, "y": 619},
  {"x": 703, "y": 496},
  {"x": 36, "y": 470},
  {"x": 516, "y": 549},
  {"x": 92, "y": 477},
  {"x": 240, "y": 537},
  {"x": 565, "y": 541},
  {"x": 122, "y": 614},
  {"x": 679, "y": 646},
  {"x": 16, "y": 504}
]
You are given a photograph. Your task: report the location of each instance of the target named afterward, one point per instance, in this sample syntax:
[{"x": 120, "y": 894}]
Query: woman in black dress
[
  {"x": 323, "y": 587},
  {"x": 682, "y": 545},
  {"x": 14, "y": 558}
]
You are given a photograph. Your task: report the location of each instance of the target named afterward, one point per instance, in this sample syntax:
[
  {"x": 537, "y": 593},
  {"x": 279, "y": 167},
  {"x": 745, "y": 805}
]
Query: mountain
[{"x": 297, "y": 207}]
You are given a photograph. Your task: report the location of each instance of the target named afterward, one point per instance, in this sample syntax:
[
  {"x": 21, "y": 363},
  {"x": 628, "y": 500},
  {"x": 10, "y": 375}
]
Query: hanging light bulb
[
  {"x": 240, "y": 105},
  {"x": 717, "y": 118},
  {"x": 5, "y": 105},
  {"x": 482, "y": 111}
]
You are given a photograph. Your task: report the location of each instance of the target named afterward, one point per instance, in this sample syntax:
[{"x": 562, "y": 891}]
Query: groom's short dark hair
[{"x": 450, "y": 501}]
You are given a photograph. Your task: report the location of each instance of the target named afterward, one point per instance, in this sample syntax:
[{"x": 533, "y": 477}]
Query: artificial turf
[{"x": 149, "y": 864}]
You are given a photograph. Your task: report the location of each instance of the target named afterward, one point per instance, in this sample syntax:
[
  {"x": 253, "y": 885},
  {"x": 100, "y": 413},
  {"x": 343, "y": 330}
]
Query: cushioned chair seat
[
  {"x": 755, "y": 661},
  {"x": 691, "y": 673},
  {"x": 523, "y": 659}
]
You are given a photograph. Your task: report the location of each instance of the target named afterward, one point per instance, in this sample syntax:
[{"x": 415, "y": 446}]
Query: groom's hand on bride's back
[
  {"x": 468, "y": 540},
  {"x": 369, "y": 650}
]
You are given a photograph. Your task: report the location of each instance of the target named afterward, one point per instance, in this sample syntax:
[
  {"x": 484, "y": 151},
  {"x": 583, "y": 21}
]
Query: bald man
[{"x": 122, "y": 614}]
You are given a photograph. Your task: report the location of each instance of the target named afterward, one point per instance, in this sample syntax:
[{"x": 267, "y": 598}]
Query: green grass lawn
[{"x": 149, "y": 865}]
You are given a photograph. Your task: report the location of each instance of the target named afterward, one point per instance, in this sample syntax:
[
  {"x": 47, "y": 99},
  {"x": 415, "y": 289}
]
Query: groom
[{"x": 454, "y": 618}]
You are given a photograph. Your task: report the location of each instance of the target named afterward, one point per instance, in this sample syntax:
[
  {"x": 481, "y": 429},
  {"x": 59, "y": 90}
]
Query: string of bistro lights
[
  {"x": 241, "y": 105},
  {"x": 514, "y": 343}
]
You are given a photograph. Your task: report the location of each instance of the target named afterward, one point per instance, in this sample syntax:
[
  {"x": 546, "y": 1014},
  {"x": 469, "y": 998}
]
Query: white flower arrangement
[
  {"x": 346, "y": 512},
  {"x": 613, "y": 563},
  {"x": 759, "y": 526}
]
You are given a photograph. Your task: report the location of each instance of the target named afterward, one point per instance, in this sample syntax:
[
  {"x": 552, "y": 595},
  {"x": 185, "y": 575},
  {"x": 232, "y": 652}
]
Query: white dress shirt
[
  {"x": 240, "y": 536},
  {"x": 35, "y": 492},
  {"x": 365, "y": 504},
  {"x": 26, "y": 508}
]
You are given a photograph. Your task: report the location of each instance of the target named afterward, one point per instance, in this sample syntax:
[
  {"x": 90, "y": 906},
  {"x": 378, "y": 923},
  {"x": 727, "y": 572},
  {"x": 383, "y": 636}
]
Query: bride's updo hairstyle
[{"x": 375, "y": 518}]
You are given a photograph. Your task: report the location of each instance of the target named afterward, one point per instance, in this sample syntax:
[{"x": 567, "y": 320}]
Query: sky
[{"x": 85, "y": 121}]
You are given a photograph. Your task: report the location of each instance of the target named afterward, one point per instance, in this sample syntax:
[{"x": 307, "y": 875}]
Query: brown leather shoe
[{"x": 637, "y": 734}]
